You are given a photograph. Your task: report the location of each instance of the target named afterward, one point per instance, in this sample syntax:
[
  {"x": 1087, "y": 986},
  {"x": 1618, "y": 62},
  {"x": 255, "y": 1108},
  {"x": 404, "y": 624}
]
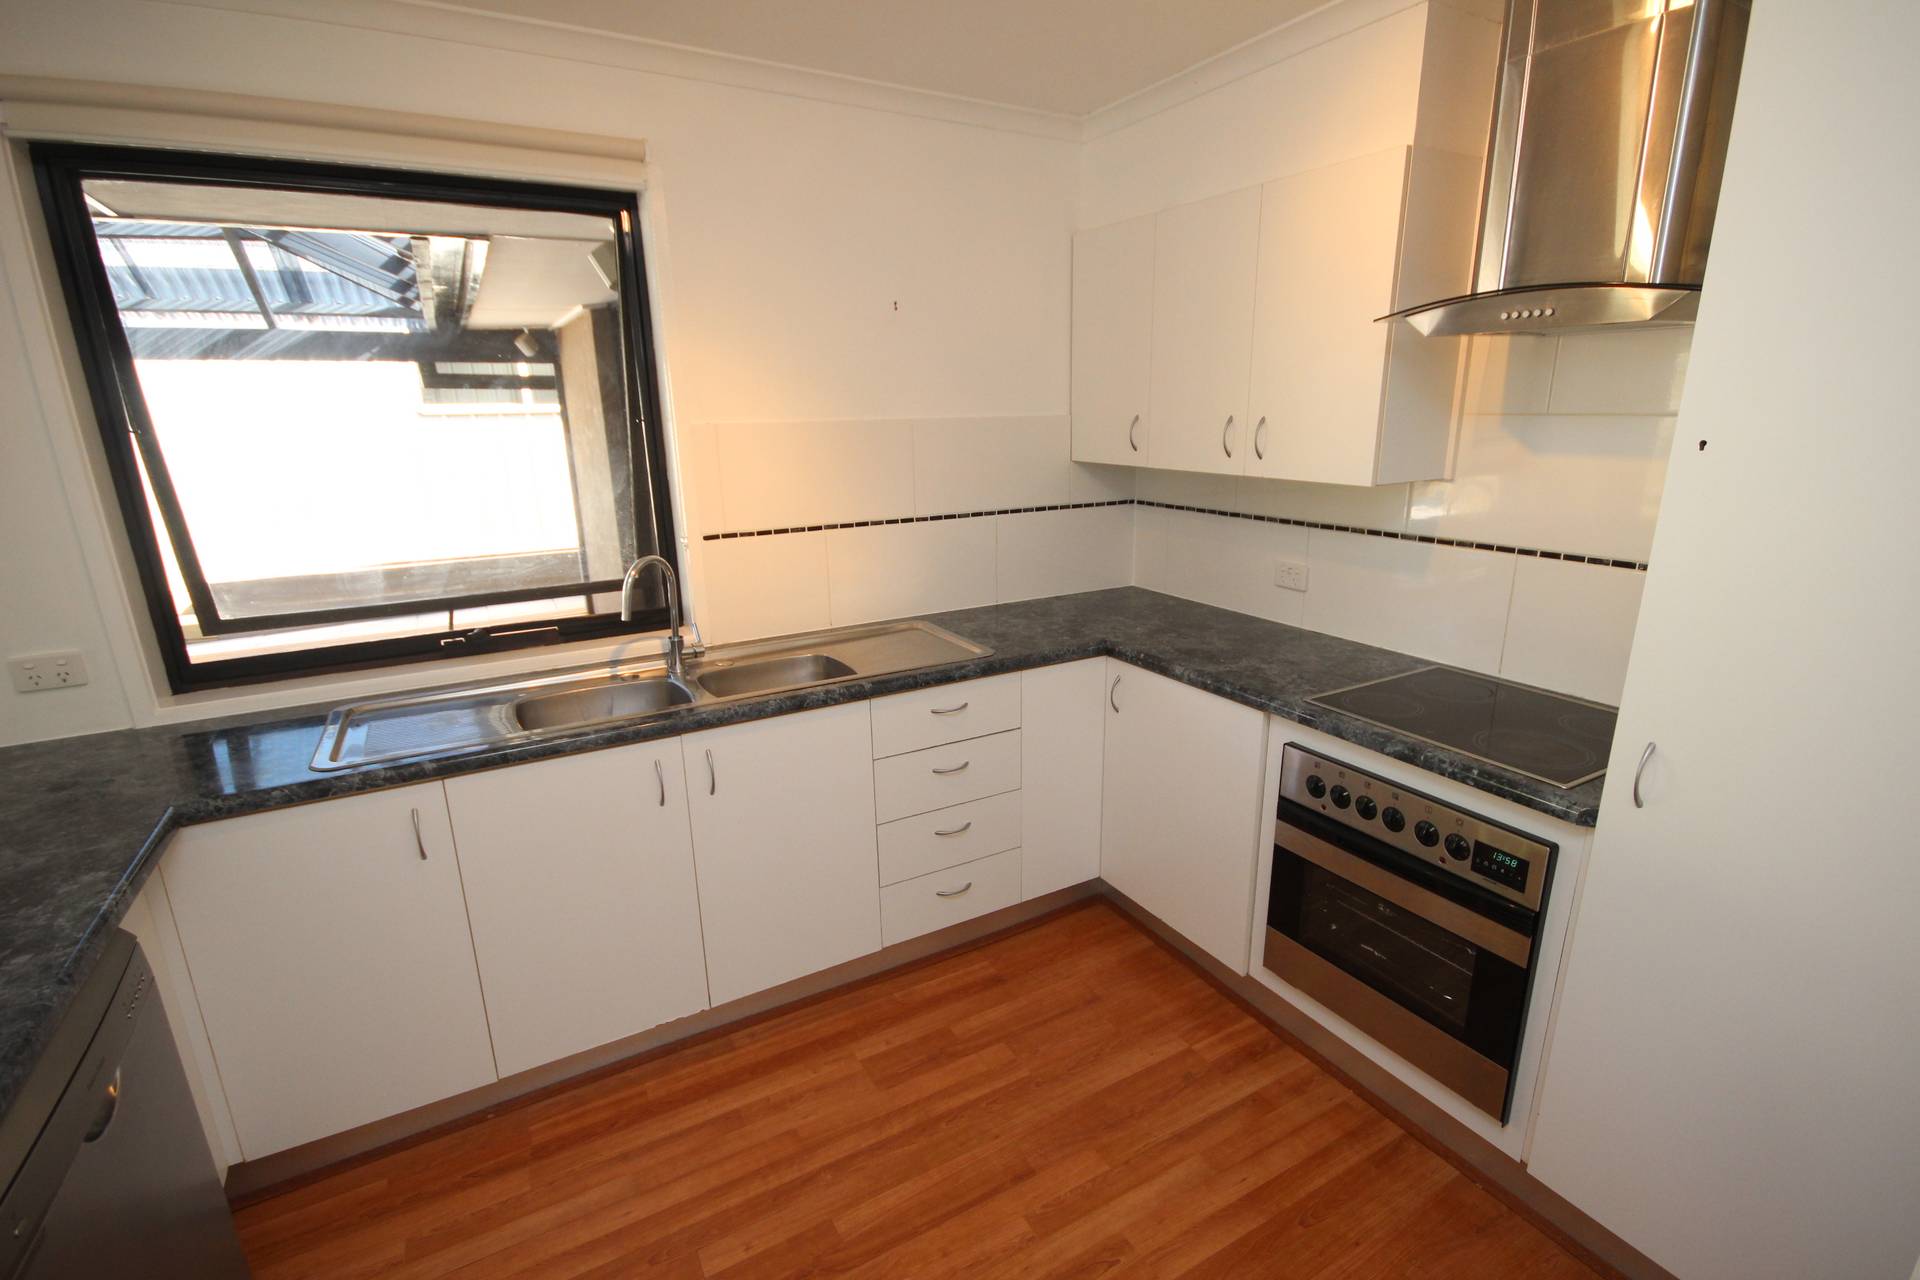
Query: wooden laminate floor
[{"x": 1071, "y": 1100}]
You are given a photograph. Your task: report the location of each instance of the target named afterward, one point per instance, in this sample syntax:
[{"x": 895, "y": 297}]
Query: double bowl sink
[{"x": 481, "y": 716}]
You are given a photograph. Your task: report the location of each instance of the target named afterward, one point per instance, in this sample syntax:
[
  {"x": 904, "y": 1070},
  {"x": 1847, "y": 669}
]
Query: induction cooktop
[{"x": 1546, "y": 736}]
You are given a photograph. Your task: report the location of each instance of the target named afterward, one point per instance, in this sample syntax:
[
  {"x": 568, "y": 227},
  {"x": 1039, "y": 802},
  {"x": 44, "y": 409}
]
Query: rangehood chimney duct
[{"x": 1610, "y": 125}]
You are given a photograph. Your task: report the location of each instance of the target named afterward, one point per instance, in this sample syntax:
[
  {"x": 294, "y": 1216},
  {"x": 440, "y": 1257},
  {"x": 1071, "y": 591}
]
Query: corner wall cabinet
[{"x": 1262, "y": 352}]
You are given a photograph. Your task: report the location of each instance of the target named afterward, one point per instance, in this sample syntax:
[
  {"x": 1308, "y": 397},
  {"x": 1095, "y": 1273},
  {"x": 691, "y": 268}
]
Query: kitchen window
[{"x": 360, "y": 416}]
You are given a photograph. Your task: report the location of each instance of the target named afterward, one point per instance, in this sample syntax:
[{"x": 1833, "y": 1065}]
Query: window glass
[{"x": 357, "y": 417}]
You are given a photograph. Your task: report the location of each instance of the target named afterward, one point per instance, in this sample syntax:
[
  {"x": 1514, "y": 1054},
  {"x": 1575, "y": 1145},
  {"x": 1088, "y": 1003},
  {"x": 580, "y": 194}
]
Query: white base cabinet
[
  {"x": 329, "y": 950},
  {"x": 783, "y": 837},
  {"x": 1063, "y": 723},
  {"x": 580, "y": 888},
  {"x": 1181, "y": 813}
]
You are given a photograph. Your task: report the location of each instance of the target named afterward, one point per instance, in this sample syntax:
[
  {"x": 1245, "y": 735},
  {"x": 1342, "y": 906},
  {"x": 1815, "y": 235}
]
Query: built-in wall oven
[{"x": 1409, "y": 917}]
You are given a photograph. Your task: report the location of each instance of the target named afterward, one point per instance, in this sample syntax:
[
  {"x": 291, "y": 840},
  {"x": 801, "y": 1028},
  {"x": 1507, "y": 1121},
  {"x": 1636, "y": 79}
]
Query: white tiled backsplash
[{"x": 1562, "y": 448}]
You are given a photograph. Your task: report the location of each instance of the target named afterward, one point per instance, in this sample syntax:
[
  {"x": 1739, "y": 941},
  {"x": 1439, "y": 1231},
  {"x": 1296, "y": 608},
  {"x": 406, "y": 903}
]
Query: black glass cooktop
[{"x": 1556, "y": 739}]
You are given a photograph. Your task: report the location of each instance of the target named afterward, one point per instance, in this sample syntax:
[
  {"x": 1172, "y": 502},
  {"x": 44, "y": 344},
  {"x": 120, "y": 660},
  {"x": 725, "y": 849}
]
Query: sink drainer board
[{"x": 476, "y": 717}]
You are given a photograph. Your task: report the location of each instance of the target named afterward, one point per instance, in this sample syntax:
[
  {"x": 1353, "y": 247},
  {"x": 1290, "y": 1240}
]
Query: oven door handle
[{"x": 1462, "y": 922}]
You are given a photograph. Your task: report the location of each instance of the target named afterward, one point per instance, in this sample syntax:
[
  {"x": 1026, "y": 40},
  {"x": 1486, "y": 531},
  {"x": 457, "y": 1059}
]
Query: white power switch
[
  {"x": 1290, "y": 574},
  {"x": 47, "y": 671}
]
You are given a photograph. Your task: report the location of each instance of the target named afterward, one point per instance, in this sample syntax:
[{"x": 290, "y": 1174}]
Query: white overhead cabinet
[
  {"x": 1203, "y": 276},
  {"x": 331, "y": 959},
  {"x": 1181, "y": 808},
  {"x": 783, "y": 834},
  {"x": 1265, "y": 354},
  {"x": 580, "y": 888},
  {"x": 1337, "y": 397},
  {"x": 1112, "y": 341}
]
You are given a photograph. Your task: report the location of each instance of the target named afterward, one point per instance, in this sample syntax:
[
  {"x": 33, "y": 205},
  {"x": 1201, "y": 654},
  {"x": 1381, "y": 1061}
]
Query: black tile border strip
[{"x": 1430, "y": 539}]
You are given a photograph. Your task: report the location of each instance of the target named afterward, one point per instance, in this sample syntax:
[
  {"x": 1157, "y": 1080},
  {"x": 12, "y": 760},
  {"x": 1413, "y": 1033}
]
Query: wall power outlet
[
  {"x": 43, "y": 671},
  {"x": 1290, "y": 574}
]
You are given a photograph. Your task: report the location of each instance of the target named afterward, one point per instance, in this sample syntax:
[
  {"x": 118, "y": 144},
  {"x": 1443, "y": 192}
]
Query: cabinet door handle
[
  {"x": 1645, "y": 756},
  {"x": 1133, "y": 426},
  {"x": 1260, "y": 430},
  {"x": 660, "y": 776},
  {"x": 953, "y": 893},
  {"x": 953, "y": 768},
  {"x": 1226, "y": 436},
  {"x": 713, "y": 779},
  {"x": 1112, "y": 700},
  {"x": 959, "y": 830},
  {"x": 948, "y": 711},
  {"x": 419, "y": 841}
]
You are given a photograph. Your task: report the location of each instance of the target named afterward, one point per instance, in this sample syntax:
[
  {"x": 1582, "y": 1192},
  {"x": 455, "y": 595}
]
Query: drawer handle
[
  {"x": 419, "y": 841},
  {"x": 953, "y": 768},
  {"x": 962, "y": 829},
  {"x": 660, "y": 776},
  {"x": 948, "y": 711},
  {"x": 953, "y": 893}
]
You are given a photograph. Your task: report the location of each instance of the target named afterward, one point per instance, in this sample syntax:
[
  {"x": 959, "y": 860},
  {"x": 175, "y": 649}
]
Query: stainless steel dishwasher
[{"x": 107, "y": 1170}]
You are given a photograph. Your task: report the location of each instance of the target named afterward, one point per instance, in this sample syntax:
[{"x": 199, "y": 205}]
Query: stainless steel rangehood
[{"x": 1610, "y": 127}]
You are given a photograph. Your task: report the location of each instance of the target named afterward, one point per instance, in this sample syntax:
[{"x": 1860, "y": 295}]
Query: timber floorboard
[{"x": 1069, "y": 1100}]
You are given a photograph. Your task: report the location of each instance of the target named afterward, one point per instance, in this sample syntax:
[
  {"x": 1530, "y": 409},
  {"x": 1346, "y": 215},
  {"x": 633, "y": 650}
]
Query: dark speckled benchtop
[{"x": 82, "y": 820}]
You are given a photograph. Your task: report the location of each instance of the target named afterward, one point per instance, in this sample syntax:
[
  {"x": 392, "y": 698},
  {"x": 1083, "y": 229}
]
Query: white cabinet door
[
  {"x": 579, "y": 879},
  {"x": 329, "y": 950},
  {"x": 1181, "y": 813},
  {"x": 1329, "y": 242},
  {"x": 783, "y": 837},
  {"x": 1204, "y": 261},
  {"x": 1063, "y": 725},
  {"x": 1112, "y": 341}
]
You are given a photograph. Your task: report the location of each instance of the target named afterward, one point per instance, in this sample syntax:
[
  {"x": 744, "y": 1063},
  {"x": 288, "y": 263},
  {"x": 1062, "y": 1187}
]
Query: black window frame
[{"x": 106, "y": 358}]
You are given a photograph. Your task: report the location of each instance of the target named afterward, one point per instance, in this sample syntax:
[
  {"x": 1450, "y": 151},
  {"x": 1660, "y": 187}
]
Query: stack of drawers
[{"x": 946, "y": 791}]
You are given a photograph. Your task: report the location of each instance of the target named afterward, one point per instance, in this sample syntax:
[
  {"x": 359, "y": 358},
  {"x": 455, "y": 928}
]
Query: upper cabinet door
[
  {"x": 1329, "y": 246},
  {"x": 783, "y": 838},
  {"x": 579, "y": 877},
  {"x": 1203, "y": 274},
  {"x": 329, "y": 951},
  {"x": 1112, "y": 341}
]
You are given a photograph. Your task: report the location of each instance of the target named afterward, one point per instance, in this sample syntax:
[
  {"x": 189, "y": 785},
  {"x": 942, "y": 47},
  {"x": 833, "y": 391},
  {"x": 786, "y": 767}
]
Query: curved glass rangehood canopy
[{"x": 1610, "y": 130}]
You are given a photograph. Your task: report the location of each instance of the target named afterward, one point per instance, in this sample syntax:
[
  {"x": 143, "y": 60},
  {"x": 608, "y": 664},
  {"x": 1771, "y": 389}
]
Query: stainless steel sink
[
  {"x": 478, "y": 717},
  {"x": 611, "y": 700},
  {"x": 735, "y": 680}
]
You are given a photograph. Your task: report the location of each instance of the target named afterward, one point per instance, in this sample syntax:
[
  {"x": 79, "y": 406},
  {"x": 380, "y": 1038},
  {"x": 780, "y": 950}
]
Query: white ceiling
[{"x": 1064, "y": 57}]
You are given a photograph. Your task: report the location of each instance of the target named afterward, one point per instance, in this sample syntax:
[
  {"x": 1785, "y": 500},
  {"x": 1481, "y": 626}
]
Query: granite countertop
[{"x": 82, "y": 819}]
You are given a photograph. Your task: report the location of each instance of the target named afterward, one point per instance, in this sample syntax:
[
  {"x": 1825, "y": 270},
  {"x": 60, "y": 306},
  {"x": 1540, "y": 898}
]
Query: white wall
[
  {"x": 819, "y": 262},
  {"x": 866, "y": 318}
]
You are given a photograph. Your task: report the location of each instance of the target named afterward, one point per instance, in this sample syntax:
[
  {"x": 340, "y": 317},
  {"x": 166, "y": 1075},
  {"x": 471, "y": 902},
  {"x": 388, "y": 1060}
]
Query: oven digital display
[{"x": 1500, "y": 866}]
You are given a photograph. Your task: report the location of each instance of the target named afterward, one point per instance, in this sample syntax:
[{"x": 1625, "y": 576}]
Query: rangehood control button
[{"x": 1426, "y": 833}]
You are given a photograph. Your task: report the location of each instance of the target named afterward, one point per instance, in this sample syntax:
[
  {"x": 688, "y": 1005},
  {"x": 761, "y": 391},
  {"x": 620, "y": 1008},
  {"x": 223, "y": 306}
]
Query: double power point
[{"x": 42, "y": 671}]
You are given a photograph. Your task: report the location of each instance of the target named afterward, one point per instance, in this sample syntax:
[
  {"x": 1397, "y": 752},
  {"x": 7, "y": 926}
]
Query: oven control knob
[
  {"x": 1426, "y": 833},
  {"x": 1341, "y": 797},
  {"x": 1365, "y": 807},
  {"x": 1458, "y": 847},
  {"x": 1316, "y": 785},
  {"x": 1392, "y": 819}
]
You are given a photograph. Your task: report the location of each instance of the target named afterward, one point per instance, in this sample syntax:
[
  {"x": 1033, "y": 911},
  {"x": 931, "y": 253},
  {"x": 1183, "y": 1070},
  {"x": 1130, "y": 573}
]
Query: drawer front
[
  {"x": 941, "y": 777},
  {"x": 929, "y": 842},
  {"x": 949, "y": 713},
  {"x": 917, "y": 906}
]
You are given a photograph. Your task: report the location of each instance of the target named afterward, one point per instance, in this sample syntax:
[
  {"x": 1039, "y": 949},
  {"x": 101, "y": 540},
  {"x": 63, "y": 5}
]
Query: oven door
[{"x": 1419, "y": 965}]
